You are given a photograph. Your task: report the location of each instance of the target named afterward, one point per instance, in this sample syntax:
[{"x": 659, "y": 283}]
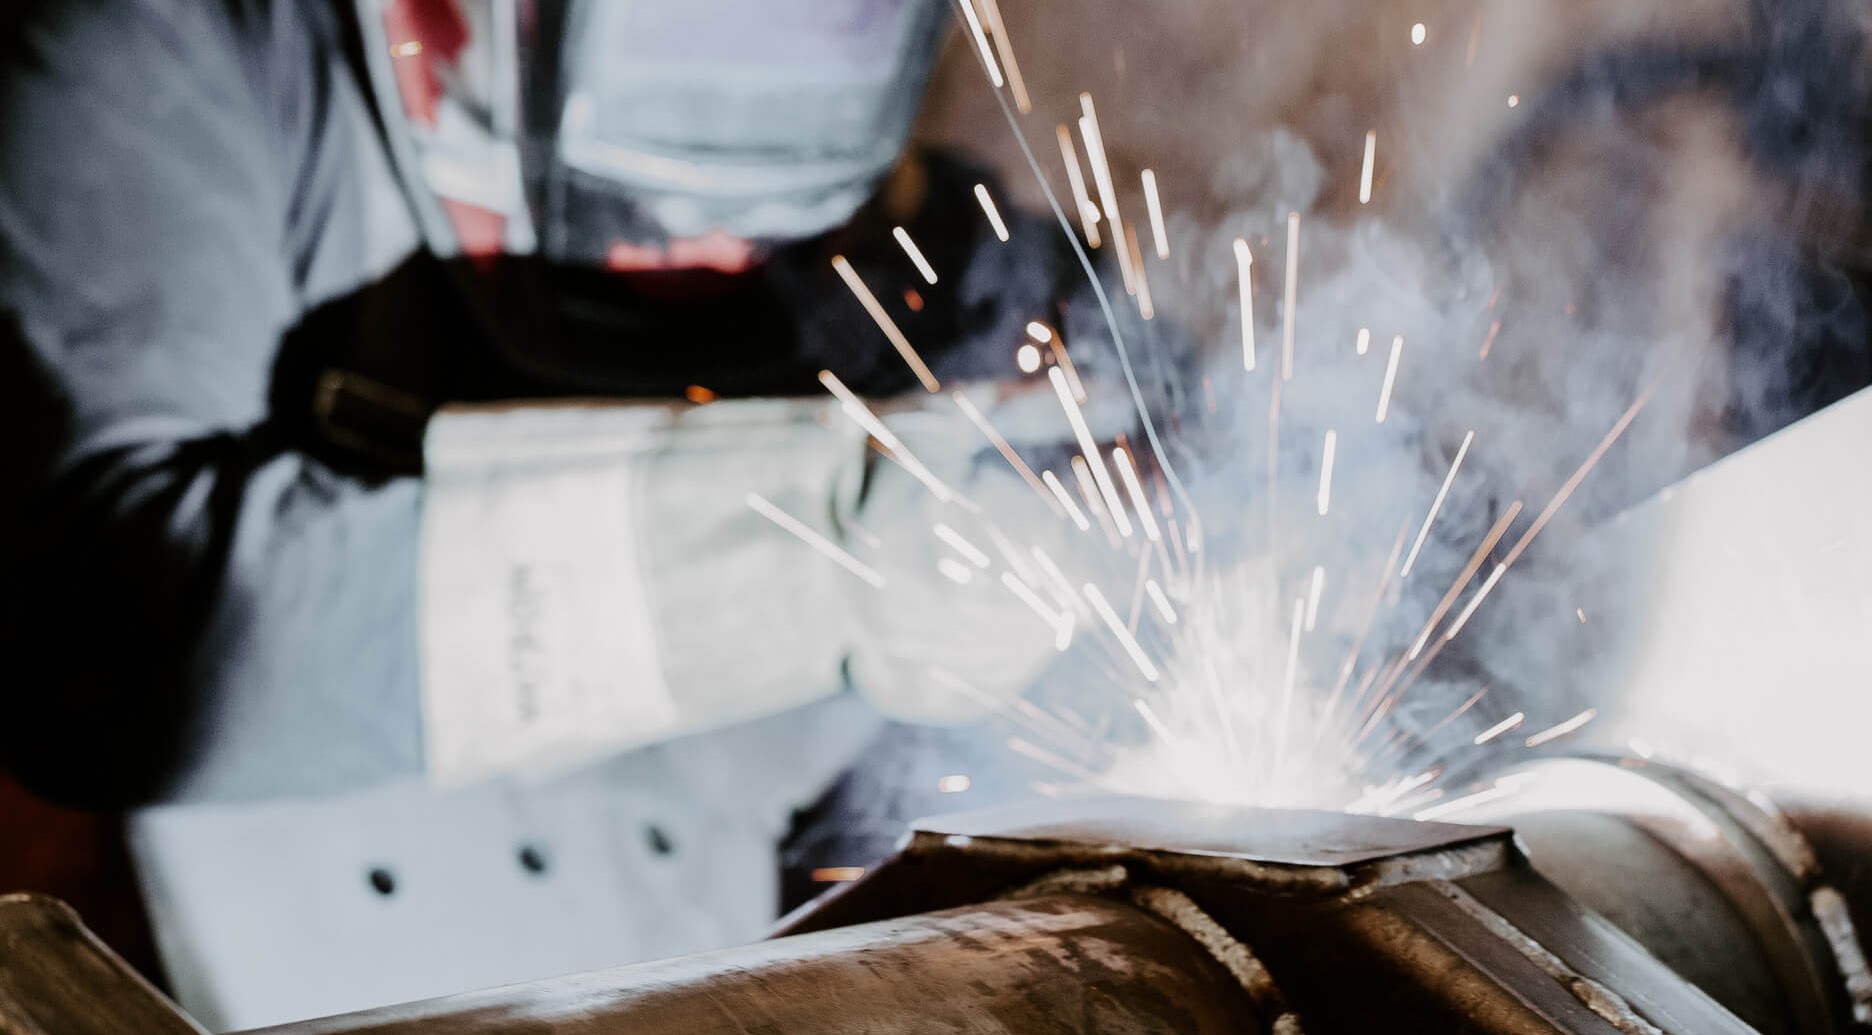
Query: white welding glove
[
  {"x": 593, "y": 578},
  {"x": 948, "y": 641}
]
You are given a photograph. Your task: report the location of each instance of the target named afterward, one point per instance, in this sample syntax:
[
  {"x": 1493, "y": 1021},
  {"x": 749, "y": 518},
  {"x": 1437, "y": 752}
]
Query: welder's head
[{"x": 645, "y": 134}]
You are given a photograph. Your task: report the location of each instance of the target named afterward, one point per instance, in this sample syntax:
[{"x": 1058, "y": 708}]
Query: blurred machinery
[{"x": 1671, "y": 905}]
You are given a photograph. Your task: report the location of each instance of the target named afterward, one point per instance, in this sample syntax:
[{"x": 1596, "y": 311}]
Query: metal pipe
[{"x": 1055, "y": 964}]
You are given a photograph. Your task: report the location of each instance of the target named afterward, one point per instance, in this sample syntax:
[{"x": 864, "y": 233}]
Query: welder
[{"x": 389, "y": 381}]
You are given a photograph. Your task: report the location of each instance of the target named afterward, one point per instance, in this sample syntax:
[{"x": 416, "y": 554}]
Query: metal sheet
[{"x": 1289, "y": 837}]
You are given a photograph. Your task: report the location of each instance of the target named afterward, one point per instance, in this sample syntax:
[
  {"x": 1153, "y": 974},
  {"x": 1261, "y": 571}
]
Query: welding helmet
[{"x": 636, "y": 135}]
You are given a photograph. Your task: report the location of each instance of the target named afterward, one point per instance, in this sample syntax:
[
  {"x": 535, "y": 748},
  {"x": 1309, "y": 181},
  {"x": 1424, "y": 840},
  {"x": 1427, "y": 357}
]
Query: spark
[
  {"x": 1326, "y": 465},
  {"x": 1089, "y": 492},
  {"x": 1555, "y": 732},
  {"x": 1511, "y": 722},
  {"x": 1313, "y": 596},
  {"x": 1495, "y": 533},
  {"x": 1086, "y": 132},
  {"x": 1365, "y": 627},
  {"x": 1145, "y": 308},
  {"x": 837, "y": 874},
  {"x": 1495, "y": 793},
  {"x": 885, "y": 323},
  {"x": 855, "y": 408},
  {"x": 1364, "y": 340},
  {"x": 1553, "y": 505},
  {"x": 1091, "y": 450},
  {"x": 1365, "y": 173},
  {"x": 1159, "y": 236},
  {"x": 1027, "y": 358},
  {"x": 1088, "y": 212},
  {"x": 1488, "y": 342},
  {"x": 698, "y": 395},
  {"x": 1056, "y": 579},
  {"x": 957, "y": 542},
  {"x": 1160, "y": 601},
  {"x": 1592, "y": 460},
  {"x": 408, "y": 48},
  {"x": 813, "y": 539},
  {"x": 1039, "y": 332},
  {"x": 1118, "y": 630},
  {"x": 980, "y": 420},
  {"x": 1419, "y": 780},
  {"x": 1135, "y": 489},
  {"x": 981, "y": 43},
  {"x": 954, "y": 570},
  {"x": 1047, "y": 758},
  {"x": 1287, "y": 684},
  {"x": 915, "y": 253},
  {"x": 1095, "y": 153},
  {"x": 1244, "y": 269},
  {"x": 1005, "y": 47},
  {"x": 993, "y": 213},
  {"x": 1066, "y": 501},
  {"x": 1390, "y": 378},
  {"x": 1102, "y": 177},
  {"x": 1640, "y": 747},
  {"x": 1514, "y": 100},
  {"x": 1435, "y": 506},
  {"x": 1026, "y": 595},
  {"x": 1418, "y": 33},
  {"x": 1475, "y": 602},
  {"x": 1475, "y": 37},
  {"x": 1061, "y": 357},
  {"x": 1017, "y": 709},
  {"x": 1581, "y": 613},
  {"x": 954, "y": 784},
  {"x": 1150, "y": 717},
  {"x": 1293, "y": 295},
  {"x": 1429, "y": 735}
]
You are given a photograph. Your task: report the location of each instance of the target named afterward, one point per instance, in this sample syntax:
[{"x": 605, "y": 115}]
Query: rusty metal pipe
[{"x": 1056, "y": 964}]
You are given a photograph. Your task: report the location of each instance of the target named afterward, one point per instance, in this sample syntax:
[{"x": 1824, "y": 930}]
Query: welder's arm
[
  {"x": 594, "y": 577},
  {"x": 186, "y": 598}
]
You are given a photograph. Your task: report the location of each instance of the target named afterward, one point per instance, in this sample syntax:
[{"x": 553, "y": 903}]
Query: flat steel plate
[{"x": 1289, "y": 837}]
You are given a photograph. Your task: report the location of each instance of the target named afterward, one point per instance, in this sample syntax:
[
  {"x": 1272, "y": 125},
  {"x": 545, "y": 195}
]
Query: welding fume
[{"x": 516, "y": 496}]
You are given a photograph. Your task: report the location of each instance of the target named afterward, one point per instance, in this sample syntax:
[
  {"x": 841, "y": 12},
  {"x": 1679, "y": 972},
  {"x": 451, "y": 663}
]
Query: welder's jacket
[
  {"x": 211, "y": 543},
  {"x": 221, "y": 334}
]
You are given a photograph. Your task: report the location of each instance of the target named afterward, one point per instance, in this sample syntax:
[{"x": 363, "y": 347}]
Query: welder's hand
[
  {"x": 594, "y": 579},
  {"x": 948, "y": 640}
]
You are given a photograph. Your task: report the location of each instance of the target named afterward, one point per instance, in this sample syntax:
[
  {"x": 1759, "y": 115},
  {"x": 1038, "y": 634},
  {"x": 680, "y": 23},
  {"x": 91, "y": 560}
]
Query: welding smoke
[{"x": 1571, "y": 204}]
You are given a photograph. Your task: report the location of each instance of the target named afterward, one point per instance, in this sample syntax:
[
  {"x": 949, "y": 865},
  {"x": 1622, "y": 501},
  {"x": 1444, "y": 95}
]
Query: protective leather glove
[
  {"x": 927, "y": 632},
  {"x": 593, "y": 578}
]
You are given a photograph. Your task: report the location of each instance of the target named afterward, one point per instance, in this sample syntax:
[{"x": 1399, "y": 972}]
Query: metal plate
[{"x": 1284, "y": 837}]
